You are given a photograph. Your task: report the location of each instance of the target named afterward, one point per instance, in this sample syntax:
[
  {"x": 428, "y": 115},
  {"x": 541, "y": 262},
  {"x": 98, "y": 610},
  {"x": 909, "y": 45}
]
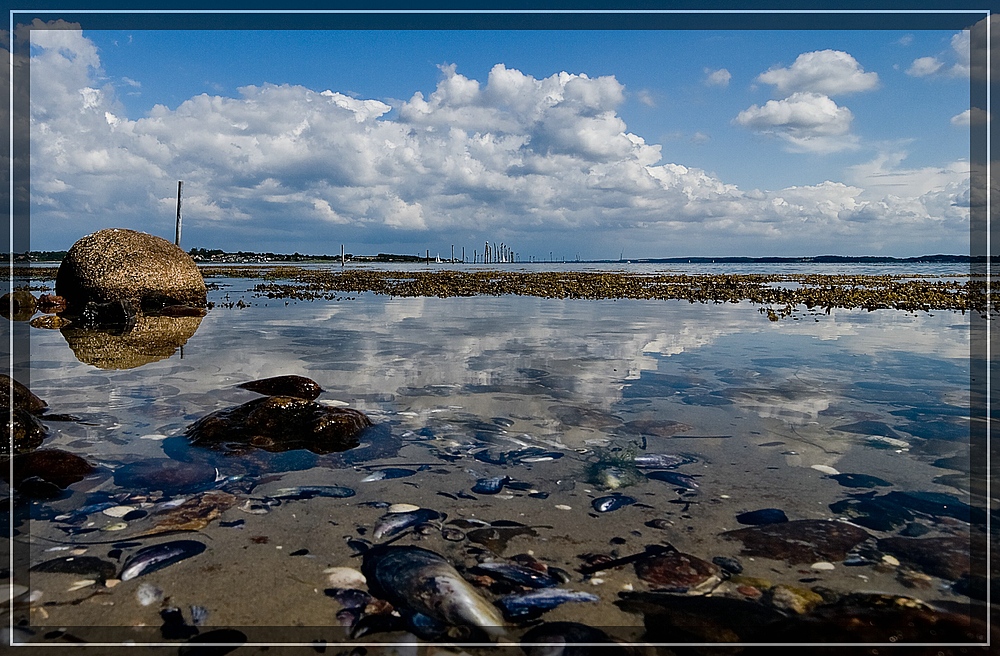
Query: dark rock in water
[
  {"x": 876, "y": 513},
  {"x": 28, "y": 431},
  {"x": 166, "y": 475},
  {"x": 800, "y": 541},
  {"x": 937, "y": 504},
  {"x": 655, "y": 427},
  {"x": 568, "y": 639},
  {"x": 179, "y": 311},
  {"x": 946, "y": 557},
  {"x": 678, "y": 618},
  {"x": 80, "y": 565},
  {"x": 280, "y": 423},
  {"x": 58, "y": 467},
  {"x": 117, "y": 264},
  {"x": 23, "y": 399},
  {"x": 299, "y": 387},
  {"x": 858, "y": 619},
  {"x": 762, "y": 516},
  {"x": 18, "y": 305},
  {"x": 611, "y": 502},
  {"x": 120, "y": 315},
  {"x": 860, "y": 480},
  {"x": 677, "y": 572}
]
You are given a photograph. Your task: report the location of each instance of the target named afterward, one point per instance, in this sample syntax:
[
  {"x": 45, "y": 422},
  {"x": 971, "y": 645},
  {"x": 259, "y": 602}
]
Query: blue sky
[{"x": 658, "y": 143}]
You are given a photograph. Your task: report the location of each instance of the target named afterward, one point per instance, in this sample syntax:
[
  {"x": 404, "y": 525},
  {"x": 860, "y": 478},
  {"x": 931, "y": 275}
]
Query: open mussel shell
[{"x": 421, "y": 582}]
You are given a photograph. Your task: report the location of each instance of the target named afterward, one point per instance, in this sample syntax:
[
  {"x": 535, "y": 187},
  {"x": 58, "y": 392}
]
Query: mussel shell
[
  {"x": 490, "y": 485},
  {"x": 158, "y": 556},
  {"x": 423, "y": 582},
  {"x": 298, "y": 386},
  {"x": 674, "y": 478}
]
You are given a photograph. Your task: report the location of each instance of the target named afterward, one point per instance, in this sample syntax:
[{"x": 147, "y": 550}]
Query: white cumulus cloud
[
  {"x": 807, "y": 122},
  {"x": 828, "y": 72},
  {"x": 924, "y": 66}
]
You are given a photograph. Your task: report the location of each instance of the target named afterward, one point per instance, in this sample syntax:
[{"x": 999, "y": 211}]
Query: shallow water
[{"x": 766, "y": 411}]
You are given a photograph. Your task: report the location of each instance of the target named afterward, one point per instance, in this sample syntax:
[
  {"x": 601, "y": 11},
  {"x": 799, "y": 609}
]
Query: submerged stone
[
  {"x": 762, "y": 516},
  {"x": 55, "y": 466},
  {"x": 280, "y": 423},
  {"x": 947, "y": 557},
  {"x": 656, "y": 427},
  {"x": 676, "y": 571},
  {"x": 166, "y": 475},
  {"x": 800, "y": 541}
]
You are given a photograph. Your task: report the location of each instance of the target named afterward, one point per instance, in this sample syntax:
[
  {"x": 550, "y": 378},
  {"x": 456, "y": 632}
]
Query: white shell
[
  {"x": 822, "y": 566},
  {"x": 118, "y": 511},
  {"x": 890, "y": 560},
  {"x": 78, "y": 585},
  {"x": 826, "y": 470},
  {"x": 563, "y": 506},
  {"x": 345, "y": 577},
  {"x": 402, "y": 508}
]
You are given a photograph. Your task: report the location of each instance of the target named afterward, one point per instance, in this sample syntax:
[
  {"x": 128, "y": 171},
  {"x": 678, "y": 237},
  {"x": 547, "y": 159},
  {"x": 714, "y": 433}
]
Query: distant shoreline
[{"x": 203, "y": 256}]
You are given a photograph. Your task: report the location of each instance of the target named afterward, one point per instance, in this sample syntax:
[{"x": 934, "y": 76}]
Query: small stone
[
  {"x": 562, "y": 506},
  {"x": 822, "y": 566},
  {"x": 825, "y": 469},
  {"x": 890, "y": 560},
  {"x": 795, "y": 600}
]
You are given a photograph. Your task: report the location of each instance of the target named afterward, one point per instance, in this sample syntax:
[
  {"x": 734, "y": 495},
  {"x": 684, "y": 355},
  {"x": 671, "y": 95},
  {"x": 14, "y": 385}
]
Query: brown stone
[
  {"x": 117, "y": 264},
  {"x": 24, "y": 398},
  {"x": 58, "y": 467},
  {"x": 18, "y": 305},
  {"x": 676, "y": 571},
  {"x": 801, "y": 541},
  {"x": 947, "y": 557},
  {"x": 280, "y": 423}
]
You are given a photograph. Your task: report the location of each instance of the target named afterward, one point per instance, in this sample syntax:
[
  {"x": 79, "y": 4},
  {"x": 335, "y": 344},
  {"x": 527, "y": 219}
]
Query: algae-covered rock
[
  {"x": 280, "y": 423},
  {"x": 117, "y": 264}
]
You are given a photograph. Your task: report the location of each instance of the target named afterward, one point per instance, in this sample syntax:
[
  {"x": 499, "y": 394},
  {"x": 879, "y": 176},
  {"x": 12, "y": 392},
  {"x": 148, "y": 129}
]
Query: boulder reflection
[{"x": 149, "y": 339}]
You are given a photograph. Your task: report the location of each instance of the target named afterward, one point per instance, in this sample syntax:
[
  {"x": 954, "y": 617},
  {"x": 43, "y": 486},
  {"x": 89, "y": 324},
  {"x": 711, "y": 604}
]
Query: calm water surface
[{"x": 461, "y": 388}]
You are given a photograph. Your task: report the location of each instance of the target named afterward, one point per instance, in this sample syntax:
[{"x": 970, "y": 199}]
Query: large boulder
[{"x": 117, "y": 264}]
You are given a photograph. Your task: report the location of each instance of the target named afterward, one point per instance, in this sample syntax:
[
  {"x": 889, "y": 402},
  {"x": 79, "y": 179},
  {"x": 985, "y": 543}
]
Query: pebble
[
  {"x": 822, "y": 565},
  {"x": 890, "y": 560},
  {"x": 562, "y": 506},
  {"x": 825, "y": 469}
]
